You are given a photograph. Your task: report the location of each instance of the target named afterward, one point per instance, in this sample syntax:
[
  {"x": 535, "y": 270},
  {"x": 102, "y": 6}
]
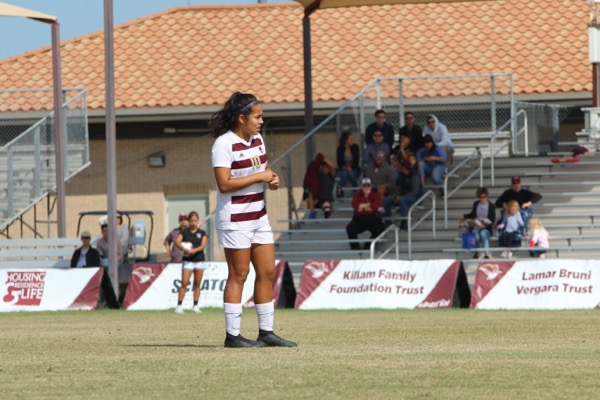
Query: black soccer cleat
[
  {"x": 241, "y": 342},
  {"x": 272, "y": 340}
]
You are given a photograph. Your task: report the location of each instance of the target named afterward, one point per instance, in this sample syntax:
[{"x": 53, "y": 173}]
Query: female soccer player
[
  {"x": 239, "y": 160},
  {"x": 193, "y": 259}
]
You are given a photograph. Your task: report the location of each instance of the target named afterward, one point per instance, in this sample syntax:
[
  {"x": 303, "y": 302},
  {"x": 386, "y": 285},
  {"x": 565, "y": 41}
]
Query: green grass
[{"x": 374, "y": 354}]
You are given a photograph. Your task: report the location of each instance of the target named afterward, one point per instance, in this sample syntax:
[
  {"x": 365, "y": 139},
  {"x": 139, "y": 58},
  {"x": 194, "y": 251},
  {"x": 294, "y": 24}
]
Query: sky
[{"x": 79, "y": 17}]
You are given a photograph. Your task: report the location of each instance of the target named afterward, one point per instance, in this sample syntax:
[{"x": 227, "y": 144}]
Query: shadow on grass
[{"x": 204, "y": 346}]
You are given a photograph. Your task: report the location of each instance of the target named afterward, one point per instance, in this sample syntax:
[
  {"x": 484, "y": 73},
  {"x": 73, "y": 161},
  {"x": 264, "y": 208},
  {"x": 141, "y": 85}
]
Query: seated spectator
[
  {"x": 440, "y": 135},
  {"x": 413, "y": 131},
  {"x": 510, "y": 229},
  {"x": 524, "y": 197},
  {"x": 410, "y": 191},
  {"x": 399, "y": 157},
  {"x": 383, "y": 179},
  {"x": 366, "y": 204},
  {"x": 312, "y": 183},
  {"x": 372, "y": 149},
  {"x": 431, "y": 161},
  {"x": 382, "y": 126},
  {"x": 348, "y": 161},
  {"x": 123, "y": 234},
  {"x": 327, "y": 182},
  {"x": 86, "y": 256},
  {"x": 173, "y": 251},
  {"x": 481, "y": 220},
  {"x": 538, "y": 238}
]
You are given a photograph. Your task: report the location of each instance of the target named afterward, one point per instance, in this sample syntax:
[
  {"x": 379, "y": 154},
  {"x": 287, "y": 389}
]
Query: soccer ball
[{"x": 187, "y": 246}]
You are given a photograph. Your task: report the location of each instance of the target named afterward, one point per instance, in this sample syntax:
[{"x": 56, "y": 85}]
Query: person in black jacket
[
  {"x": 481, "y": 219},
  {"x": 348, "y": 161},
  {"x": 87, "y": 256},
  {"x": 526, "y": 198}
]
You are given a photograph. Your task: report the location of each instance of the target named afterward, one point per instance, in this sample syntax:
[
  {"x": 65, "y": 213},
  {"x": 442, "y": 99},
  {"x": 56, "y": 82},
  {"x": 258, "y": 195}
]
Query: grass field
[{"x": 374, "y": 354}]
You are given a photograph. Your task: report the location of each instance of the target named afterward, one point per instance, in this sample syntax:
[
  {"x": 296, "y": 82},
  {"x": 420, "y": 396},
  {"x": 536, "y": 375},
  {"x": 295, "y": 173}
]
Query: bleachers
[{"x": 568, "y": 210}]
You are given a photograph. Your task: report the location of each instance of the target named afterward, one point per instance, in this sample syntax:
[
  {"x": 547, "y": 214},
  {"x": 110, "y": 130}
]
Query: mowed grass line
[{"x": 370, "y": 354}]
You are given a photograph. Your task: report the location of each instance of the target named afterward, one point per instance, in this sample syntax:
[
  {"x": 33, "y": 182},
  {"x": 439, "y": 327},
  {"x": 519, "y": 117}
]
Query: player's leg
[
  {"x": 263, "y": 260},
  {"x": 198, "y": 272},
  {"x": 186, "y": 273}
]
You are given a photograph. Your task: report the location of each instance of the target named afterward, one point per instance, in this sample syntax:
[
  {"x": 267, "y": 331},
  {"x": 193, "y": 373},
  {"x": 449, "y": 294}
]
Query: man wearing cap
[
  {"x": 173, "y": 251},
  {"x": 366, "y": 204},
  {"x": 86, "y": 255}
]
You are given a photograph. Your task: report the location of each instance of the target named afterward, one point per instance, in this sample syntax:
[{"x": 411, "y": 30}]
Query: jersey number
[{"x": 255, "y": 162}]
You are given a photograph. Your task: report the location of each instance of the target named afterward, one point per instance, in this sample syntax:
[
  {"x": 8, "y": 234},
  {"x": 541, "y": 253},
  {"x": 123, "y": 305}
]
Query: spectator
[
  {"x": 482, "y": 217},
  {"x": 172, "y": 250},
  {"x": 431, "y": 161},
  {"x": 123, "y": 234},
  {"x": 383, "y": 179},
  {"x": 440, "y": 135},
  {"x": 327, "y": 182},
  {"x": 192, "y": 241},
  {"x": 87, "y": 256},
  {"x": 399, "y": 157},
  {"x": 414, "y": 132},
  {"x": 524, "y": 197},
  {"x": 511, "y": 225},
  {"x": 348, "y": 161},
  {"x": 539, "y": 238},
  {"x": 411, "y": 190},
  {"x": 373, "y": 148},
  {"x": 102, "y": 244},
  {"x": 312, "y": 183},
  {"x": 366, "y": 204},
  {"x": 381, "y": 125}
]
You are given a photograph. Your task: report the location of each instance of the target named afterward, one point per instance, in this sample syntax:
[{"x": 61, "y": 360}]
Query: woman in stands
[
  {"x": 239, "y": 160},
  {"x": 192, "y": 242},
  {"x": 348, "y": 161}
]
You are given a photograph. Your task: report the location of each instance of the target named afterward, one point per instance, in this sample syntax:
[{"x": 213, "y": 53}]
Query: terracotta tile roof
[{"x": 198, "y": 55}]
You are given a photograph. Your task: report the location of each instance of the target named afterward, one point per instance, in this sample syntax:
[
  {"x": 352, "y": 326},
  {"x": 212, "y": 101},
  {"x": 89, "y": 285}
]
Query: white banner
[
  {"x": 537, "y": 284},
  {"x": 355, "y": 284},
  {"x": 49, "y": 289}
]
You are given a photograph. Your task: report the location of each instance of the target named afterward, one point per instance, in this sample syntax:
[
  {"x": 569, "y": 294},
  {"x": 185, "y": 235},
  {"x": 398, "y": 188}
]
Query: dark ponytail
[{"x": 226, "y": 119}]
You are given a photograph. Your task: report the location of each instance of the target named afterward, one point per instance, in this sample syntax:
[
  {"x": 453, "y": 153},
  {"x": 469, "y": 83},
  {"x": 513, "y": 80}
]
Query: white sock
[
  {"x": 233, "y": 318},
  {"x": 265, "y": 313}
]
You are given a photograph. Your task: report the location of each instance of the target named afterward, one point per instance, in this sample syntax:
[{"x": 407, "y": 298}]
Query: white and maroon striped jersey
[{"x": 244, "y": 209}]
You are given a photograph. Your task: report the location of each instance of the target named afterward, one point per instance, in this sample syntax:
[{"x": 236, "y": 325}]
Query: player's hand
[
  {"x": 274, "y": 183},
  {"x": 266, "y": 176}
]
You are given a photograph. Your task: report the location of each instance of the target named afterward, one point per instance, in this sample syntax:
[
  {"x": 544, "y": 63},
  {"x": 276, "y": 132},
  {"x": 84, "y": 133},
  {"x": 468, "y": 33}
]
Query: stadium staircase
[
  {"x": 569, "y": 210},
  {"x": 28, "y": 163}
]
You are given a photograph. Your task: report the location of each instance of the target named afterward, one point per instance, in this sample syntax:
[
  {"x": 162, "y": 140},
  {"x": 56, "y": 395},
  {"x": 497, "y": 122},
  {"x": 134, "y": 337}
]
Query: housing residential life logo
[{"x": 24, "y": 288}]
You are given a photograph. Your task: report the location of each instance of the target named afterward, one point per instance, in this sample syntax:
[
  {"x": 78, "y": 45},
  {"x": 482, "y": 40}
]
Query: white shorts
[
  {"x": 245, "y": 239},
  {"x": 192, "y": 265}
]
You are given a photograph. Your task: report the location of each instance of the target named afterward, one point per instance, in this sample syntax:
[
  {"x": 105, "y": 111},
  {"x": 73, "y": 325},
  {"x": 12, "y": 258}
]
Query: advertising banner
[
  {"x": 537, "y": 284},
  {"x": 156, "y": 286},
  {"x": 49, "y": 289},
  {"x": 390, "y": 284}
]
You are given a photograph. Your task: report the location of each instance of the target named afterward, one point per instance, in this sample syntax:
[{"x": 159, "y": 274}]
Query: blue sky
[{"x": 78, "y": 17}]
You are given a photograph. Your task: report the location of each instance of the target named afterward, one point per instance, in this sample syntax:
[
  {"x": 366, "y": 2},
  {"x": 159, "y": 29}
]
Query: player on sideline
[
  {"x": 239, "y": 160},
  {"x": 193, "y": 260}
]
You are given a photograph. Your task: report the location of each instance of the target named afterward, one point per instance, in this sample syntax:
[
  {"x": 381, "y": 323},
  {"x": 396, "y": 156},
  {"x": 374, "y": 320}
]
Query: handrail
[
  {"x": 429, "y": 193},
  {"x": 447, "y": 195},
  {"x": 381, "y": 236},
  {"x": 506, "y": 124}
]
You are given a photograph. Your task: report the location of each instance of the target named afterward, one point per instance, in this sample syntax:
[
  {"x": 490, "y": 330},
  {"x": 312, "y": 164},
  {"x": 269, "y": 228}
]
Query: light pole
[{"x": 594, "y": 47}]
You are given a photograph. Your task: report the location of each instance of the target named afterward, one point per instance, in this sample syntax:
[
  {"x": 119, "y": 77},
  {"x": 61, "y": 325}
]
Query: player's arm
[
  {"x": 226, "y": 183},
  {"x": 203, "y": 243},
  {"x": 178, "y": 241}
]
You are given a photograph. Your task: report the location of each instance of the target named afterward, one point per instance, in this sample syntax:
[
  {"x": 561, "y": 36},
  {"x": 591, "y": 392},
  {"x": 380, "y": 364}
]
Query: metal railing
[
  {"x": 431, "y": 212},
  {"x": 396, "y": 243},
  {"x": 511, "y": 140},
  {"x": 452, "y": 173},
  {"x": 29, "y": 158}
]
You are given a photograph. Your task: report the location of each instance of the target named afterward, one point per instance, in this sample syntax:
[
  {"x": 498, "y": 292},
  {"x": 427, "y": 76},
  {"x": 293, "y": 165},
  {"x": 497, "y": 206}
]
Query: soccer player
[
  {"x": 239, "y": 160},
  {"x": 193, "y": 260}
]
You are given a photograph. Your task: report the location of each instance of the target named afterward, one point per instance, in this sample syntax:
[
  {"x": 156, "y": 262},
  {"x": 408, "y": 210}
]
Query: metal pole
[
  {"x": 58, "y": 133},
  {"x": 111, "y": 148},
  {"x": 493, "y": 101},
  {"x": 401, "y": 121},
  {"x": 308, "y": 103}
]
